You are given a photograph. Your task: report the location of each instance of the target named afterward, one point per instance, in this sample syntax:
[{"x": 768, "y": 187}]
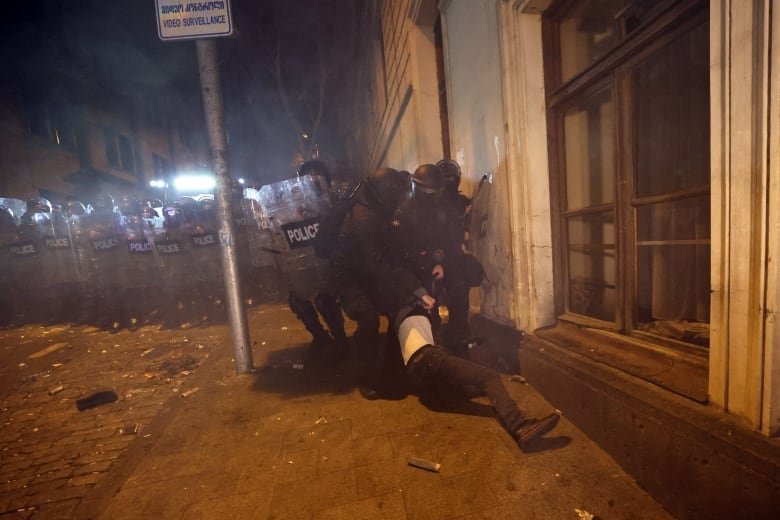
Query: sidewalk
[
  {"x": 293, "y": 440},
  {"x": 290, "y": 442}
]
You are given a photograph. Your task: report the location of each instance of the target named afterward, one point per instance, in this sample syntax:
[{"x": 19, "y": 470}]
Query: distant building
[{"x": 74, "y": 121}]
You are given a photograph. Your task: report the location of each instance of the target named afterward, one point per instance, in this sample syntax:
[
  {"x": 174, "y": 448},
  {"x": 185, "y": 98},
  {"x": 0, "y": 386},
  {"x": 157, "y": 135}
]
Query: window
[
  {"x": 51, "y": 123},
  {"x": 628, "y": 107},
  {"x": 162, "y": 166},
  {"x": 120, "y": 152},
  {"x": 126, "y": 154},
  {"x": 112, "y": 153}
]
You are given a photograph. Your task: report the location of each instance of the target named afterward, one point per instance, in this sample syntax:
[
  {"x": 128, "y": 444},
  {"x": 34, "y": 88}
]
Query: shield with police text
[{"x": 292, "y": 211}]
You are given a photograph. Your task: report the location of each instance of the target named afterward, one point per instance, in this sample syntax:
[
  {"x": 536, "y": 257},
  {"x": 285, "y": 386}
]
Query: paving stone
[
  {"x": 312, "y": 495},
  {"x": 388, "y": 506}
]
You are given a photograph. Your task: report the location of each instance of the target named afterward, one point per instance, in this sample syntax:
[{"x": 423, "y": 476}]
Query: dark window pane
[
  {"x": 673, "y": 269},
  {"x": 112, "y": 154},
  {"x": 587, "y": 32},
  {"x": 126, "y": 154},
  {"x": 590, "y": 151},
  {"x": 592, "y": 265},
  {"x": 673, "y": 116},
  {"x": 686, "y": 219},
  {"x": 673, "y": 291}
]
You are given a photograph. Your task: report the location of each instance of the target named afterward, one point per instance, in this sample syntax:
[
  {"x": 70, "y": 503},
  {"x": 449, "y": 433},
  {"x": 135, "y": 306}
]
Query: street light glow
[
  {"x": 158, "y": 183},
  {"x": 241, "y": 180},
  {"x": 194, "y": 182}
]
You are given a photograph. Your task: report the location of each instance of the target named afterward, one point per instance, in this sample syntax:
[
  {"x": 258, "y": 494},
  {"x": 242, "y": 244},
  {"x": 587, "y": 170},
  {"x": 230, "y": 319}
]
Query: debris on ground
[
  {"x": 189, "y": 392},
  {"x": 48, "y": 350},
  {"x": 583, "y": 515},
  {"x": 56, "y": 390},
  {"x": 174, "y": 366},
  {"x": 517, "y": 378},
  {"x": 321, "y": 420},
  {"x": 423, "y": 464},
  {"x": 96, "y": 399},
  {"x": 130, "y": 429}
]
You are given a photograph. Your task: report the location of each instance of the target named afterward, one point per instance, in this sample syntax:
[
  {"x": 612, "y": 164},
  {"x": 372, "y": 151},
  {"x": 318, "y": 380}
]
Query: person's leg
[
  {"x": 359, "y": 308},
  {"x": 330, "y": 309},
  {"x": 433, "y": 364},
  {"x": 304, "y": 310}
]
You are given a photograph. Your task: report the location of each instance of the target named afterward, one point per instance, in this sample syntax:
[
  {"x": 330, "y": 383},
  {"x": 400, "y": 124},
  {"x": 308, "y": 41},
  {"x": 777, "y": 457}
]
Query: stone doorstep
[{"x": 659, "y": 437}]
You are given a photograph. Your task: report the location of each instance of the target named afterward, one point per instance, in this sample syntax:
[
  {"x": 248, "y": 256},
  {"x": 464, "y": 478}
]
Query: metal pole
[{"x": 212, "y": 106}]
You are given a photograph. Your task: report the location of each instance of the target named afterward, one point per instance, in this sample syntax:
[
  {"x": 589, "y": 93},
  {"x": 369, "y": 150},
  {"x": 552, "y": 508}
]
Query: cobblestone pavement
[{"x": 52, "y": 453}]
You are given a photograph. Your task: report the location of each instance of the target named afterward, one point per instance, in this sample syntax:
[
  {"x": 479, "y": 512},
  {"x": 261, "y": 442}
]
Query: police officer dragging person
[
  {"x": 360, "y": 268},
  {"x": 363, "y": 256},
  {"x": 432, "y": 231}
]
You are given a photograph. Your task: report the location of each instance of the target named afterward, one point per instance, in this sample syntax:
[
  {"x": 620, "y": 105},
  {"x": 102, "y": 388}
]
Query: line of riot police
[{"x": 116, "y": 263}]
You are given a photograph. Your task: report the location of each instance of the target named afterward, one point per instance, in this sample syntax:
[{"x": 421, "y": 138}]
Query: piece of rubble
[
  {"x": 130, "y": 429},
  {"x": 56, "y": 390},
  {"x": 96, "y": 399},
  {"x": 517, "y": 378},
  {"x": 423, "y": 464},
  {"x": 189, "y": 392}
]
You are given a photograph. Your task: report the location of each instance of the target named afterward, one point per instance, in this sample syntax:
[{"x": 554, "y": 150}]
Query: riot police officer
[
  {"x": 75, "y": 214},
  {"x": 8, "y": 289},
  {"x": 105, "y": 234},
  {"x": 36, "y": 296},
  {"x": 173, "y": 247},
  {"x": 332, "y": 341},
  {"x": 139, "y": 271},
  {"x": 207, "y": 259},
  {"x": 362, "y": 273},
  {"x": 434, "y": 233}
]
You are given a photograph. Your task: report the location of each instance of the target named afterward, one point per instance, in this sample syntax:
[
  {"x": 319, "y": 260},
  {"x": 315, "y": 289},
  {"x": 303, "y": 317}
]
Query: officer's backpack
[{"x": 330, "y": 224}]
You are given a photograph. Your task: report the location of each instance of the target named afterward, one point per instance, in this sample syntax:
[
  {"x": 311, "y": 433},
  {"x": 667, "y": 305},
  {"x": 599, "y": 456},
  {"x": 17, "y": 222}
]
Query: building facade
[{"x": 629, "y": 159}]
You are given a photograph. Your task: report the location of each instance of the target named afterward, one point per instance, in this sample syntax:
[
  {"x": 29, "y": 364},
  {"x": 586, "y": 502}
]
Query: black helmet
[
  {"x": 315, "y": 168},
  {"x": 74, "y": 207},
  {"x": 104, "y": 204},
  {"x": 149, "y": 212},
  {"x": 451, "y": 171},
  {"x": 38, "y": 205},
  {"x": 429, "y": 179},
  {"x": 189, "y": 208},
  {"x": 129, "y": 206},
  {"x": 389, "y": 186},
  {"x": 172, "y": 215},
  {"x": 207, "y": 206}
]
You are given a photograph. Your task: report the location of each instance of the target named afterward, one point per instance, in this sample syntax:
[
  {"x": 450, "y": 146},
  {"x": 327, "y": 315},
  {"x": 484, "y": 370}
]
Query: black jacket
[{"x": 364, "y": 255}]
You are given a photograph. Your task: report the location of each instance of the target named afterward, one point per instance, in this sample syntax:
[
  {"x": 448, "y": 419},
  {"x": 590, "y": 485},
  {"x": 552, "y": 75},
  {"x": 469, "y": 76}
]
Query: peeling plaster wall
[{"x": 473, "y": 69}]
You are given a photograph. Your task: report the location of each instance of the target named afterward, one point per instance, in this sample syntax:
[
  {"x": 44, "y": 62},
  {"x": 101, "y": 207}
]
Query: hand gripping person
[{"x": 397, "y": 293}]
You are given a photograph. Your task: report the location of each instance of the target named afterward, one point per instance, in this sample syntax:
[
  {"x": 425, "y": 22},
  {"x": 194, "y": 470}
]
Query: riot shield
[
  {"x": 15, "y": 206},
  {"x": 293, "y": 209}
]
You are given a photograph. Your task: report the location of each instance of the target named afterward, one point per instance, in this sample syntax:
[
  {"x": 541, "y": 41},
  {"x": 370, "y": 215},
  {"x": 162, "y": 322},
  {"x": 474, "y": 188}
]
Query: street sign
[{"x": 183, "y": 20}]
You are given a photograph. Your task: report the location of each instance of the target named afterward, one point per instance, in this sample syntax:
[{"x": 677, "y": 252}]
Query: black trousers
[{"x": 434, "y": 365}]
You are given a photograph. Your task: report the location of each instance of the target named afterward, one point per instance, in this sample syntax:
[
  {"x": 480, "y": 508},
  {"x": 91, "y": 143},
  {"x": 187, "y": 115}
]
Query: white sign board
[{"x": 187, "y": 20}]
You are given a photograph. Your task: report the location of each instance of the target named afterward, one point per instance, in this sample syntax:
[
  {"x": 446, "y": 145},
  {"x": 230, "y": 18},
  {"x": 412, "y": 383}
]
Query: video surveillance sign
[{"x": 183, "y": 20}]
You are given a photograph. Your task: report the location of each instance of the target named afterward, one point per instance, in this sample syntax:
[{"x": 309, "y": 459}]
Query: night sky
[{"x": 44, "y": 38}]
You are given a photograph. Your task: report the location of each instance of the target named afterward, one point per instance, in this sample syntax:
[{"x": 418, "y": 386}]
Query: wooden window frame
[{"x": 665, "y": 22}]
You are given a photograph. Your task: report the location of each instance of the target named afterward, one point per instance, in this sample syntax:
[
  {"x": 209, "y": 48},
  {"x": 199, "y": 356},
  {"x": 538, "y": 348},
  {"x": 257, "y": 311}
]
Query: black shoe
[
  {"x": 532, "y": 429},
  {"x": 368, "y": 393}
]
